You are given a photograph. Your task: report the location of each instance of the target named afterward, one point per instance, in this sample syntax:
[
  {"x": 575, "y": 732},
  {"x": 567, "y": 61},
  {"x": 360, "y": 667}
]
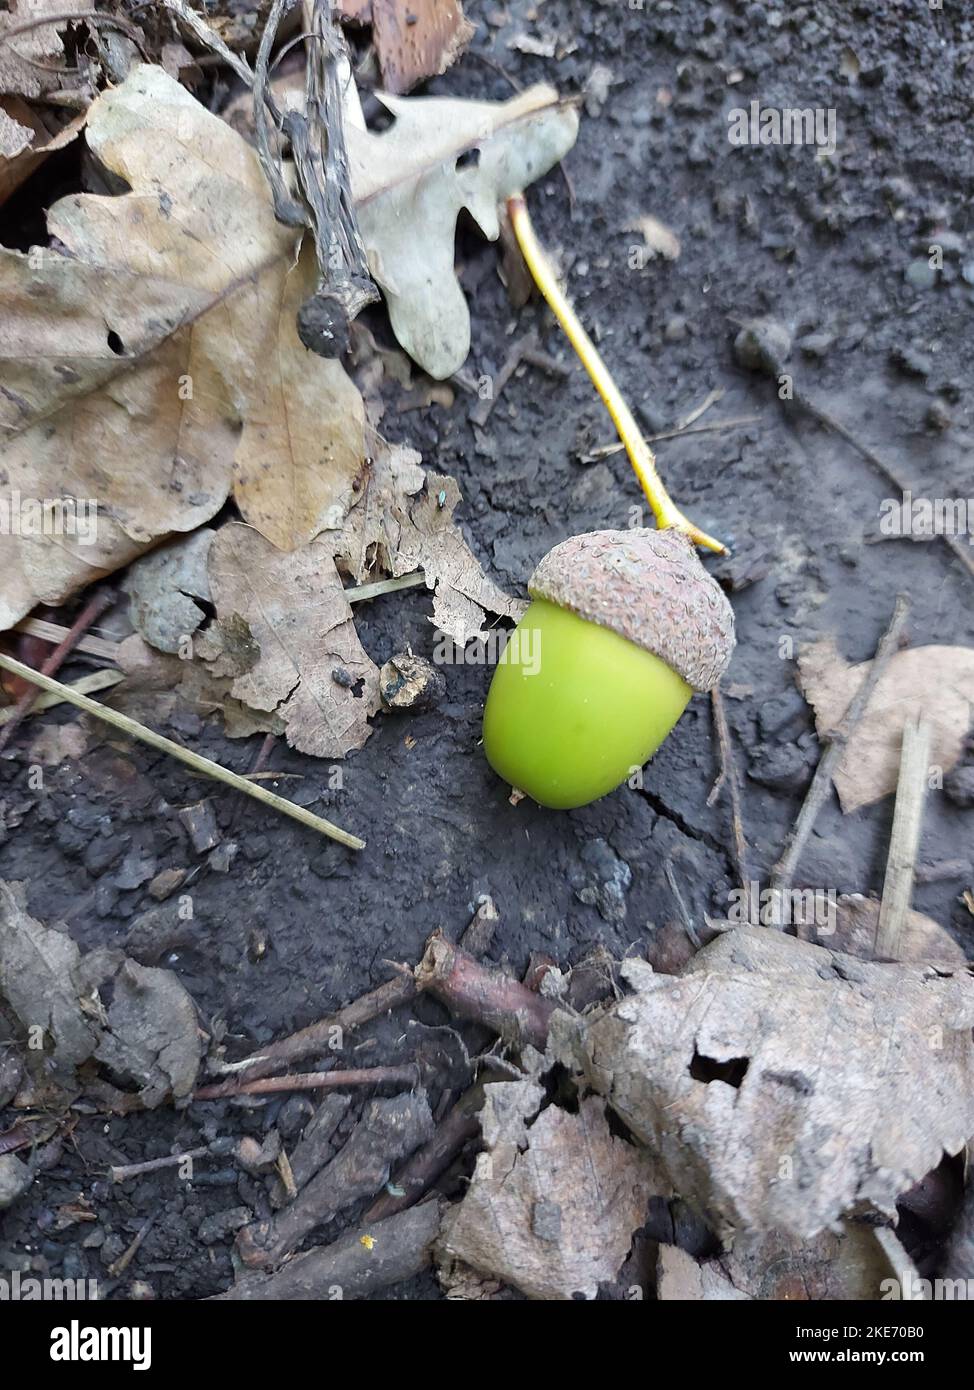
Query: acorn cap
[{"x": 649, "y": 587}]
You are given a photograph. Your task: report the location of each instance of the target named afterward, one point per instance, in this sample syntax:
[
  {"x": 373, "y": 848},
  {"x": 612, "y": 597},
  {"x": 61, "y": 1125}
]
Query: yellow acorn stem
[{"x": 641, "y": 456}]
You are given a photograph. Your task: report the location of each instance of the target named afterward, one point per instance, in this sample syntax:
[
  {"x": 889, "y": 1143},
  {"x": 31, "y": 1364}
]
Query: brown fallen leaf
[
  {"x": 313, "y": 671},
  {"x": 163, "y": 587},
  {"x": 934, "y": 682},
  {"x": 416, "y": 39},
  {"x": 554, "y": 1201},
  {"x": 32, "y": 62},
  {"x": 856, "y": 921},
  {"x": 405, "y": 522},
  {"x": 781, "y": 1085},
  {"x": 164, "y": 348}
]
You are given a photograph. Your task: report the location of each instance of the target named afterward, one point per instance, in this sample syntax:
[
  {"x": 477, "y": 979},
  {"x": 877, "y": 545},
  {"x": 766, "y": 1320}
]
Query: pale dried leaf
[
  {"x": 551, "y": 1207},
  {"x": 847, "y": 1264},
  {"x": 409, "y": 192},
  {"x": 38, "y": 969},
  {"x": 659, "y": 239},
  {"x": 149, "y": 1034},
  {"x": 935, "y": 683},
  {"x": 781, "y": 1084},
  {"x": 151, "y": 1037},
  {"x": 313, "y": 671}
]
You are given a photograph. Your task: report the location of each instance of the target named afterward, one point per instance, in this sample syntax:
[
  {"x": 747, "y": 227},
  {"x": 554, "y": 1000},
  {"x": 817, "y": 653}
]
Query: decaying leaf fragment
[
  {"x": 781, "y": 1084},
  {"x": 553, "y": 1204},
  {"x": 846, "y": 1264},
  {"x": 414, "y": 39},
  {"x": 410, "y": 183},
  {"x": 148, "y": 1034},
  {"x": 935, "y": 682},
  {"x": 312, "y": 670},
  {"x": 405, "y": 522},
  {"x": 38, "y": 980}
]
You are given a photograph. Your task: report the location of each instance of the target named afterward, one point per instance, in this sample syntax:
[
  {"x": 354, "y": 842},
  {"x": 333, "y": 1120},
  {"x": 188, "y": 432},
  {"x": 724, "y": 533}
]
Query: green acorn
[{"x": 623, "y": 627}]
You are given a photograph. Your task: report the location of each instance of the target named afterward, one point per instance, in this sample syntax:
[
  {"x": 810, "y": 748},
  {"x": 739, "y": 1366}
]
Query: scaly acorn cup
[{"x": 622, "y": 628}]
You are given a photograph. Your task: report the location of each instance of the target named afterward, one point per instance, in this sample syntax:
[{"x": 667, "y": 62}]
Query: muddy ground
[{"x": 836, "y": 247}]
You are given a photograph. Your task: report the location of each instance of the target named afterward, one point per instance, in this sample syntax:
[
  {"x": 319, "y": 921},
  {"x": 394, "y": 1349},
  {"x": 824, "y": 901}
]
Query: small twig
[
  {"x": 478, "y": 935},
  {"x": 681, "y": 906},
  {"x": 125, "y": 1171},
  {"x": 904, "y": 841},
  {"x": 728, "y": 773},
  {"x": 56, "y": 632},
  {"x": 605, "y": 451},
  {"x": 317, "y": 1037},
  {"x": 120, "y": 1265},
  {"x": 183, "y": 755},
  {"x": 477, "y": 992},
  {"x": 209, "y": 39},
  {"x": 480, "y": 413},
  {"x": 87, "y": 685},
  {"x": 90, "y": 614},
  {"x": 711, "y": 398},
  {"x": 363, "y": 1261},
  {"x": 423, "y": 1168},
  {"x": 384, "y": 586},
  {"x": 311, "y": 1081},
  {"x": 784, "y": 871}
]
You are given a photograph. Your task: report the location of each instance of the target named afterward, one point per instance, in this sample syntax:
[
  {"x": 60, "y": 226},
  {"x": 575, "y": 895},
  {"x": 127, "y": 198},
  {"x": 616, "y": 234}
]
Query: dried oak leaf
[
  {"x": 781, "y": 1085},
  {"x": 935, "y": 682},
  {"x": 32, "y": 62},
  {"x": 156, "y": 365},
  {"x": 553, "y": 1204},
  {"x": 410, "y": 183},
  {"x": 26, "y": 141},
  {"x": 151, "y": 1035}
]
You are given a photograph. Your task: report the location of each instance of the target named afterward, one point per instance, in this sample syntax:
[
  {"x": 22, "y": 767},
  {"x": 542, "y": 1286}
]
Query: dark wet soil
[{"x": 836, "y": 247}]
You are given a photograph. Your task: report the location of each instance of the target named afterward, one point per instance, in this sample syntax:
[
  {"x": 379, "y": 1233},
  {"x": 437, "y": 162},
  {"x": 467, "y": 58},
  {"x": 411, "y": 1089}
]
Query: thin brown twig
[
  {"x": 728, "y": 773},
  {"x": 784, "y": 871},
  {"x": 120, "y": 1265},
  {"x": 90, "y": 614},
  {"x": 124, "y": 1171},
  {"x": 317, "y": 1037},
  {"x": 310, "y": 1081},
  {"x": 477, "y": 992},
  {"x": 605, "y": 451}
]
